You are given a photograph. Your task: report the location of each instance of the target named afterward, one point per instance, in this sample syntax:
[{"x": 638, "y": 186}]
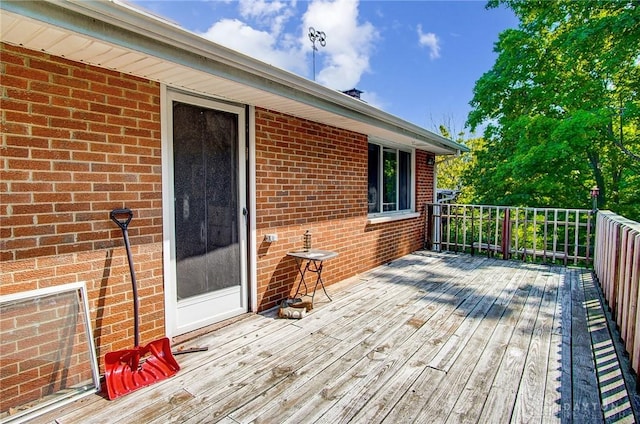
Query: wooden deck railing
[
  {"x": 617, "y": 266},
  {"x": 539, "y": 234}
]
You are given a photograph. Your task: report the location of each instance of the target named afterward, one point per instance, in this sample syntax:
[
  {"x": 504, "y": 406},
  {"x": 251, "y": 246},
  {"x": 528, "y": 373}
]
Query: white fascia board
[{"x": 122, "y": 24}]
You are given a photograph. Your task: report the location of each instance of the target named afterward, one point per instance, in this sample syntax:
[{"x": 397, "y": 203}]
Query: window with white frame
[{"x": 390, "y": 179}]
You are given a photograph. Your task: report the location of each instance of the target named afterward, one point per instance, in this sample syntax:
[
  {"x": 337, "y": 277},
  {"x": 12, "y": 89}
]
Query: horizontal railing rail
[
  {"x": 563, "y": 236},
  {"x": 617, "y": 266}
]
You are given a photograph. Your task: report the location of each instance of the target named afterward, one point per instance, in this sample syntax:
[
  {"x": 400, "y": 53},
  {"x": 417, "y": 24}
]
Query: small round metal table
[{"x": 311, "y": 261}]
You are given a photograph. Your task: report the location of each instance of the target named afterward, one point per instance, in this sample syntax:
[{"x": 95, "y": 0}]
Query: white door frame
[{"x": 248, "y": 244}]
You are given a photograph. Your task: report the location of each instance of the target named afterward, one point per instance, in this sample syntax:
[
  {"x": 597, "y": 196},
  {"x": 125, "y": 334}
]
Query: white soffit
[{"x": 42, "y": 36}]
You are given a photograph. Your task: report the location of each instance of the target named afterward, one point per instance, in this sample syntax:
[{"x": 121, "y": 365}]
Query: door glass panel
[{"x": 205, "y": 152}]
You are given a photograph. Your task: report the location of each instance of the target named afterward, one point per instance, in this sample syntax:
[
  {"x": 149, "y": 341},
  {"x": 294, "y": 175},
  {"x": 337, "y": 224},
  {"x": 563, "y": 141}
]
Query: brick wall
[
  {"x": 313, "y": 177},
  {"x": 77, "y": 142}
]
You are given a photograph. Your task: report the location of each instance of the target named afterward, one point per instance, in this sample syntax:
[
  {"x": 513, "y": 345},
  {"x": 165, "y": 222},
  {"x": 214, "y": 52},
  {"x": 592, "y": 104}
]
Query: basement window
[
  {"x": 390, "y": 180},
  {"x": 47, "y": 355}
]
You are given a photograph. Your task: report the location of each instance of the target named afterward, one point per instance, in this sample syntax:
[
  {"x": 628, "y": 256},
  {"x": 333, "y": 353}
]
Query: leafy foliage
[
  {"x": 451, "y": 169},
  {"x": 561, "y": 109}
]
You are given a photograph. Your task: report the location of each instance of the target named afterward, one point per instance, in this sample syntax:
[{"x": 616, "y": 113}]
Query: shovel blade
[{"x": 131, "y": 369}]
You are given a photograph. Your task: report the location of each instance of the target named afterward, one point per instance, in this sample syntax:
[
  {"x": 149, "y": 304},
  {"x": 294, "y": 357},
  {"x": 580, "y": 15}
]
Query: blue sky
[{"x": 418, "y": 60}]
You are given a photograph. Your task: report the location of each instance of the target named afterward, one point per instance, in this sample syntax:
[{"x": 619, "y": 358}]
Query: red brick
[
  {"x": 35, "y": 252},
  {"x": 15, "y": 152},
  {"x": 89, "y": 136},
  {"x": 88, "y": 157},
  {"x": 107, "y": 89},
  {"x": 69, "y": 145},
  {"x": 49, "y": 67},
  {"x": 25, "y": 118},
  {"x": 70, "y": 102},
  {"x": 70, "y": 123},
  {"x": 28, "y": 164},
  {"x": 31, "y": 209},
  {"x": 27, "y": 96},
  {"x": 115, "y": 161},
  {"x": 44, "y": 87},
  {"x": 9, "y": 104},
  {"x": 70, "y": 81},
  {"x": 50, "y": 154},
  {"x": 71, "y": 167},
  {"x": 88, "y": 116},
  {"x": 88, "y": 95},
  {"x": 89, "y": 75},
  {"x": 47, "y": 132}
]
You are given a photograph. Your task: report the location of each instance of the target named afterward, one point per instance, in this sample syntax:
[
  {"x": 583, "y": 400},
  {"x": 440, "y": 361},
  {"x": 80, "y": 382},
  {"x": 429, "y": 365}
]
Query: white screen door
[{"x": 208, "y": 245}]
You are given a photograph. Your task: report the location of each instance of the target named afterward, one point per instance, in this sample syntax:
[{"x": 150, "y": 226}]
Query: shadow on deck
[{"x": 430, "y": 337}]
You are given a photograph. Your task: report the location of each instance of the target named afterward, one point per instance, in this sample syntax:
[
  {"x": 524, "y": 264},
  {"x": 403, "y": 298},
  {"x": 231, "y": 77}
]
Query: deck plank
[
  {"x": 532, "y": 390},
  {"x": 435, "y": 326},
  {"x": 347, "y": 347},
  {"x": 433, "y": 393},
  {"x": 490, "y": 375},
  {"x": 504, "y": 316},
  {"x": 387, "y": 394},
  {"x": 430, "y": 337},
  {"x": 552, "y": 406},
  {"x": 615, "y": 401},
  {"x": 586, "y": 398},
  {"x": 417, "y": 326}
]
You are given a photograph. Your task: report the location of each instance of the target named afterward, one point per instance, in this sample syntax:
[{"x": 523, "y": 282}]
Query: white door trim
[
  {"x": 167, "y": 96},
  {"x": 253, "y": 248}
]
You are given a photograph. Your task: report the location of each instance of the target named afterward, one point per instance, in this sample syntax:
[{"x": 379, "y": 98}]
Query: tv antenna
[{"x": 314, "y": 36}]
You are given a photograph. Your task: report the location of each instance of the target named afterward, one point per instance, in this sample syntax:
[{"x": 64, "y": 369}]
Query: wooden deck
[{"x": 429, "y": 338}]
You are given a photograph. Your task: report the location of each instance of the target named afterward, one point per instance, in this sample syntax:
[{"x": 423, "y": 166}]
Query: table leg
[
  {"x": 302, "y": 272},
  {"x": 318, "y": 270}
]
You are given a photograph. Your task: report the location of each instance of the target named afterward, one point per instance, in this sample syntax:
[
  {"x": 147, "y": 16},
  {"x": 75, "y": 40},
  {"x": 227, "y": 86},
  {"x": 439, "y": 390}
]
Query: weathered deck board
[
  {"x": 409, "y": 361},
  {"x": 586, "y": 398},
  {"x": 494, "y": 392},
  {"x": 615, "y": 400},
  {"x": 428, "y": 338},
  {"x": 415, "y": 319},
  {"x": 481, "y": 348},
  {"x": 531, "y": 392}
]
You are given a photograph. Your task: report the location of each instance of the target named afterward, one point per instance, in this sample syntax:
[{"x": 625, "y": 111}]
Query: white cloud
[
  {"x": 261, "y": 45},
  {"x": 265, "y": 30},
  {"x": 350, "y": 43},
  {"x": 431, "y": 41},
  {"x": 273, "y": 14}
]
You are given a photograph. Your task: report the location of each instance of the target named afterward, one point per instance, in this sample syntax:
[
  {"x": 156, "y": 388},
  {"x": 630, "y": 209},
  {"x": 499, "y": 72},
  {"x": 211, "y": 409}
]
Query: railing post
[
  {"x": 506, "y": 234},
  {"x": 428, "y": 226},
  {"x": 588, "y": 236},
  {"x": 473, "y": 219}
]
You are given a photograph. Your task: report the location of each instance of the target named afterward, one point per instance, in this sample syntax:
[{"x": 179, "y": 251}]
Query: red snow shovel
[{"x": 131, "y": 369}]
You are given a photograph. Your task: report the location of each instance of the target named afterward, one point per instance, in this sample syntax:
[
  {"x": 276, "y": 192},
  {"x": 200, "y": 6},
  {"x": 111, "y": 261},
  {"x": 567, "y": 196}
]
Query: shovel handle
[
  {"x": 119, "y": 212},
  {"x": 123, "y": 224}
]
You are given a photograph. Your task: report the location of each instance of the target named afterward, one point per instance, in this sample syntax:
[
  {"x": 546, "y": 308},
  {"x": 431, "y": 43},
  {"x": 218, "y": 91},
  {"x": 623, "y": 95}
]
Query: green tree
[
  {"x": 560, "y": 108},
  {"x": 451, "y": 169}
]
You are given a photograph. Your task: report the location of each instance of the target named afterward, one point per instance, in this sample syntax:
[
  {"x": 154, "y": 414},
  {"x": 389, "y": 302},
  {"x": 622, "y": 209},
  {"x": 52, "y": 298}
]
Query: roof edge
[{"x": 124, "y": 15}]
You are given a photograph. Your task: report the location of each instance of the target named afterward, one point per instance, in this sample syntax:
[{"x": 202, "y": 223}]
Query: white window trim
[
  {"x": 396, "y": 216},
  {"x": 379, "y": 217}
]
